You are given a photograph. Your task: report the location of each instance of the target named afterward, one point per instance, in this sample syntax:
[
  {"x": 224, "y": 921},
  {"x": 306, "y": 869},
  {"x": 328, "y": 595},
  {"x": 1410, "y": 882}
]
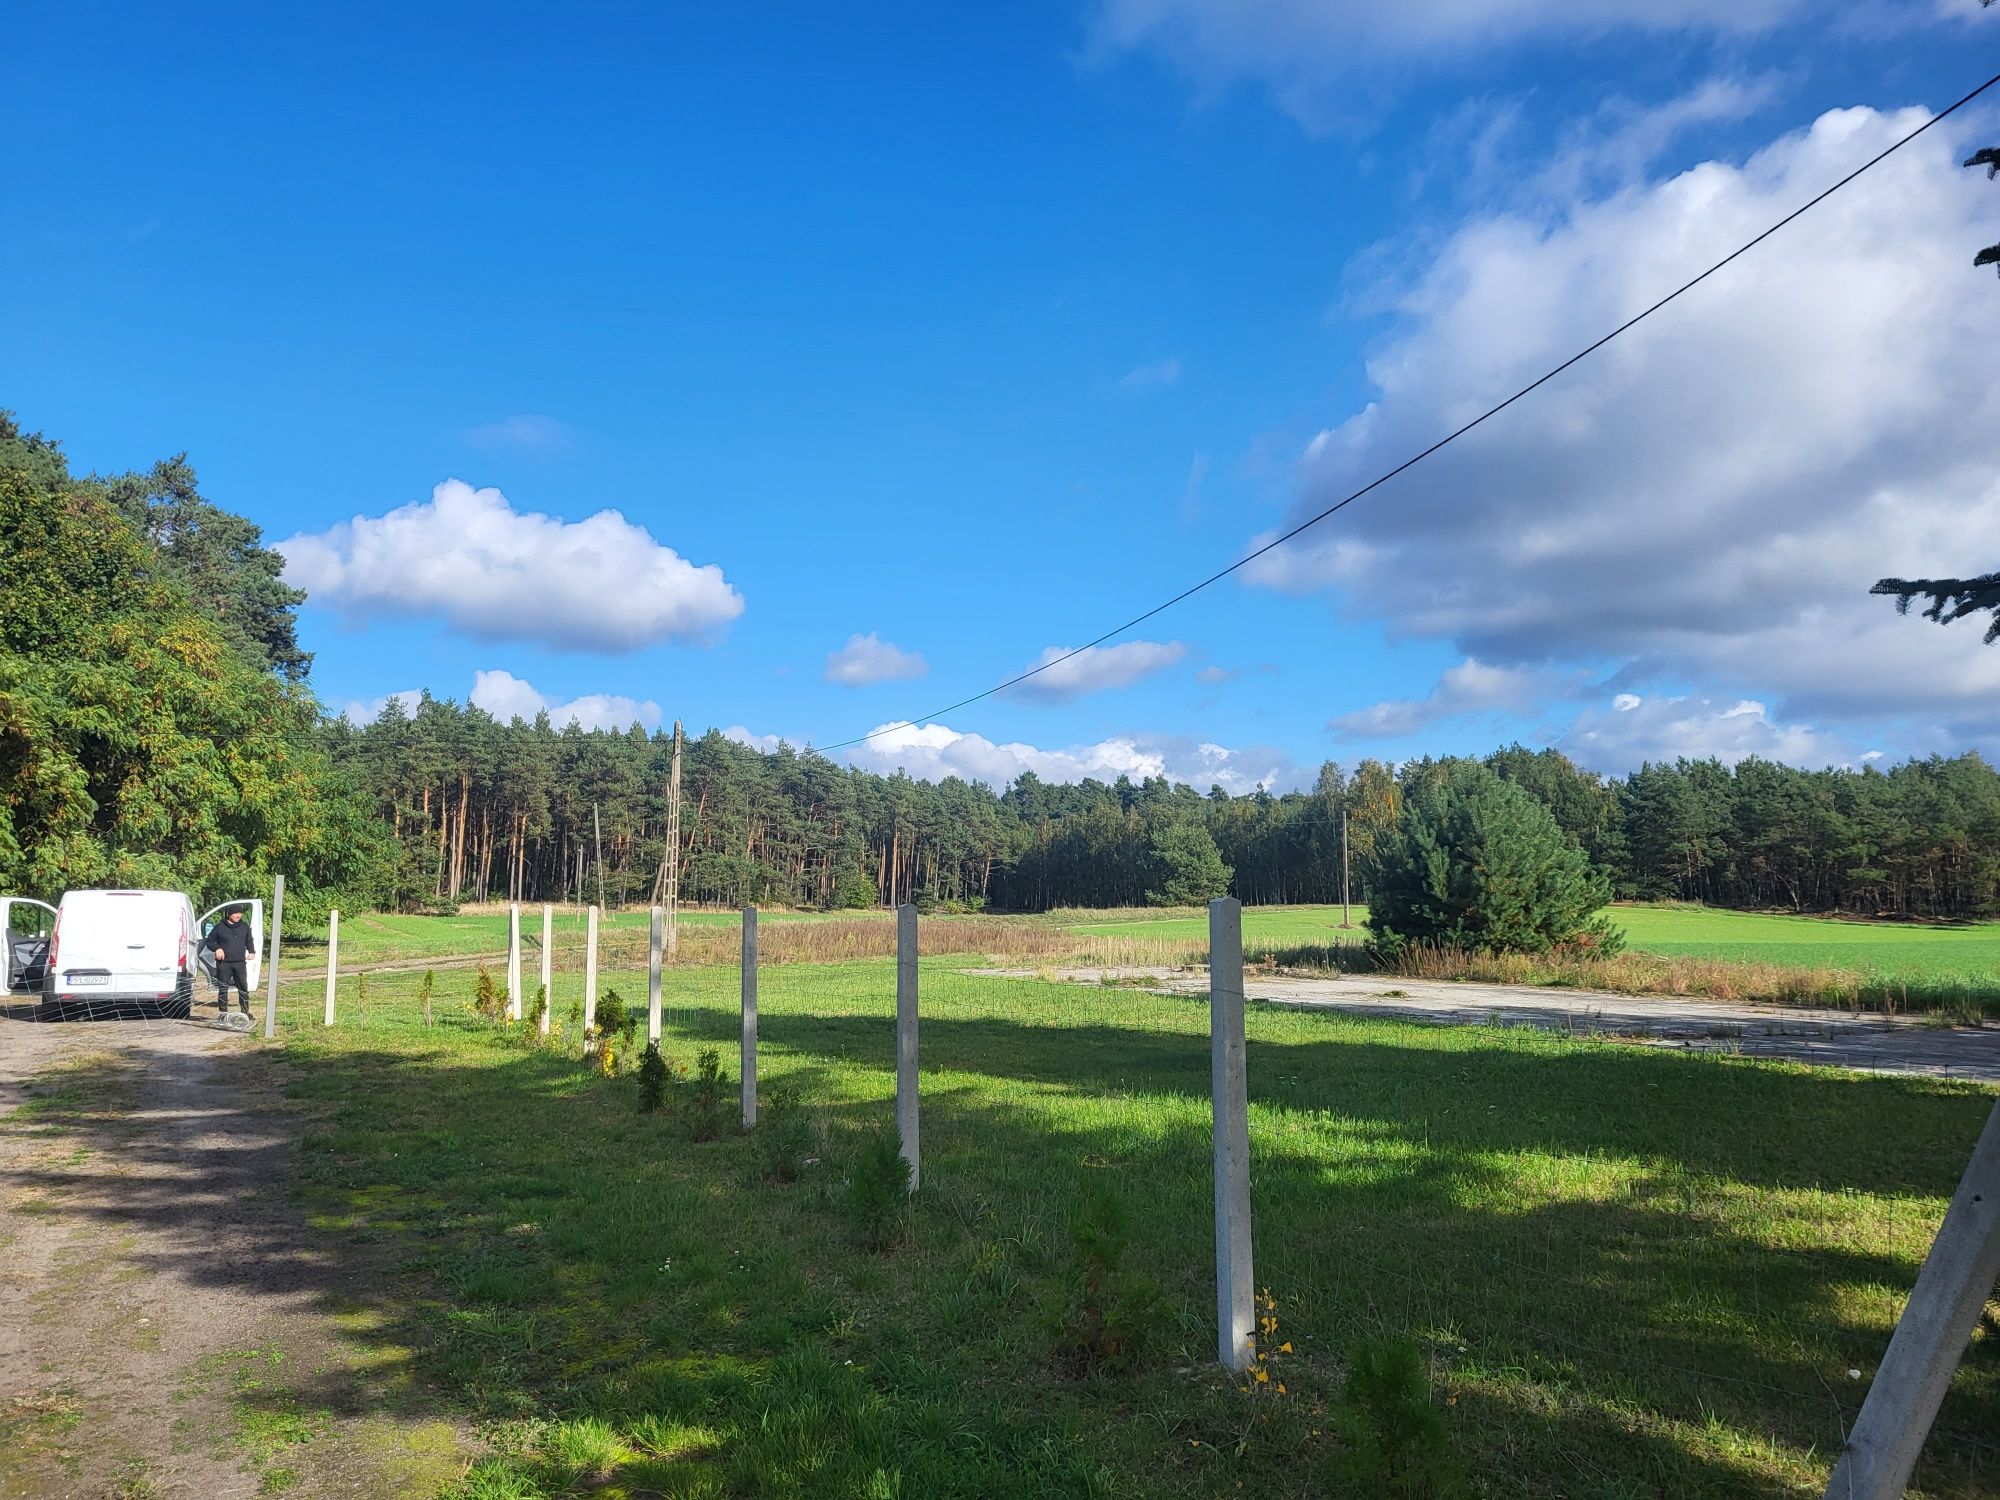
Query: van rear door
[
  {"x": 253, "y": 917},
  {"x": 25, "y": 926}
]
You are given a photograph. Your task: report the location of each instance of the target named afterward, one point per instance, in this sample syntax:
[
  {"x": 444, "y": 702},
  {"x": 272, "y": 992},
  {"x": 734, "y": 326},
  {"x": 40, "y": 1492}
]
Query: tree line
[
  {"x": 481, "y": 810},
  {"x": 157, "y": 727}
]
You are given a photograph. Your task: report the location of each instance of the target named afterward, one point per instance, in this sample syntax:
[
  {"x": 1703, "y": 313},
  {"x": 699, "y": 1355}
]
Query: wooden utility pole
[
  {"x": 597, "y": 829},
  {"x": 1346, "y": 914},
  {"x": 674, "y": 846}
]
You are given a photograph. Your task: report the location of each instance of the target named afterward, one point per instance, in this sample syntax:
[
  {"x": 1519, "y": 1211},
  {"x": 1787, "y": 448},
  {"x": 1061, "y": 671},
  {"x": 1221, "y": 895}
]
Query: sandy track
[
  {"x": 173, "y": 1327},
  {"x": 1831, "y": 1038}
]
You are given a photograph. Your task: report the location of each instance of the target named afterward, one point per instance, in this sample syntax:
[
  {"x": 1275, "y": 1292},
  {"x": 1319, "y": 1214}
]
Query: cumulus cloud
[
  {"x": 868, "y": 658},
  {"x": 1096, "y": 669},
  {"x": 764, "y": 742},
  {"x": 1637, "y": 729},
  {"x": 506, "y": 696},
  {"x": 1305, "y": 51},
  {"x": 1158, "y": 372},
  {"x": 1708, "y": 499},
  {"x": 468, "y": 557},
  {"x": 1216, "y": 675},
  {"x": 1471, "y": 687},
  {"x": 523, "y": 433},
  {"x": 931, "y": 752}
]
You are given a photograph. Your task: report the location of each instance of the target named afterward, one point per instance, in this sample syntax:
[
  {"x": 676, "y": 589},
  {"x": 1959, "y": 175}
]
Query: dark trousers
[{"x": 232, "y": 973}]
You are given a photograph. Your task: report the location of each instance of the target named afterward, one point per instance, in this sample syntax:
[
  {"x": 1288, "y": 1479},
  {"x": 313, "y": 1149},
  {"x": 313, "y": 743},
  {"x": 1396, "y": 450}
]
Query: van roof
[{"x": 75, "y": 895}]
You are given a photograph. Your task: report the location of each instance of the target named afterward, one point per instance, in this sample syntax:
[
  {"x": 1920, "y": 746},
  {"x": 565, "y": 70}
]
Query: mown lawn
[
  {"x": 1968, "y": 954},
  {"x": 1629, "y": 1273}
]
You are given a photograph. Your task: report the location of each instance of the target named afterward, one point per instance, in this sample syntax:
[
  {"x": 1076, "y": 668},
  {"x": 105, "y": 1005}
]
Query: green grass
[
  {"x": 1630, "y": 1273},
  {"x": 1968, "y": 954},
  {"x": 1890, "y": 950},
  {"x": 382, "y": 937}
]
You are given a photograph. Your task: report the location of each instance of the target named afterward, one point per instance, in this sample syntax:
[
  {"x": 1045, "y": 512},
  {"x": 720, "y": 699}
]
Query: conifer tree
[{"x": 1475, "y": 862}]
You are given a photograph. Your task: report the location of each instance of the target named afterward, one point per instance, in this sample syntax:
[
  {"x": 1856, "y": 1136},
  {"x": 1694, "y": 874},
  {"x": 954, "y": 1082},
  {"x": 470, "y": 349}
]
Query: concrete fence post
[
  {"x": 906, "y": 1036},
  {"x": 749, "y": 1017},
  {"x": 548, "y": 966},
  {"x": 653, "y": 977},
  {"x": 1235, "y": 1286},
  {"x": 590, "y": 974},
  {"x": 514, "y": 962},
  {"x": 332, "y": 960},
  {"x": 1931, "y": 1336},
  {"x": 271, "y": 957}
]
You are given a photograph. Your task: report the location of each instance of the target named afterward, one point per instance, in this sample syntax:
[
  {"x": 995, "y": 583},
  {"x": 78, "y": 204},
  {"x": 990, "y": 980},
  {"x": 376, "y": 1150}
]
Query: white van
[{"x": 100, "y": 952}]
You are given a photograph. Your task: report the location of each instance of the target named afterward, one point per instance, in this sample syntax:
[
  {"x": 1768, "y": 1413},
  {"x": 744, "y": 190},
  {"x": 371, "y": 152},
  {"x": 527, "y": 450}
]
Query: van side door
[
  {"x": 253, "y": 918},
  {"x": 25, "y": 928}
]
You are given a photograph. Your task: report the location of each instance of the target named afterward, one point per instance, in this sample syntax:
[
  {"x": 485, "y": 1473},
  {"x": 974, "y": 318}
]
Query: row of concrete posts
[
  {"x": 1881, "y": 1451},
  {"x": 1235, "y": 1307}
]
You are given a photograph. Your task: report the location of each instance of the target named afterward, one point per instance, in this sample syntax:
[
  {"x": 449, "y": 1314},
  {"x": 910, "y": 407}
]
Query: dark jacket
[{"x": 236, "y": 940}]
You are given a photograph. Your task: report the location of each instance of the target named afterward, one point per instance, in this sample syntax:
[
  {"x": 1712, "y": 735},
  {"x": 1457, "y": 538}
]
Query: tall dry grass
[
  {"x": 1641, "y": 973},
  {"x": 999, "y": 940}
]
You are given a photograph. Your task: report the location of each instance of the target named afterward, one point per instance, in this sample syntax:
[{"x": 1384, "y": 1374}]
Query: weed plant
[
  {"x": 1109, "y": 1312},
  {"x": 1394, "y": 1439},
  {"x": 785, "y": 1137},
  {"x": 707, "y": 1110},
  {"x": 654, "y": 1076},
  {"x": 876, "y": 1198}
]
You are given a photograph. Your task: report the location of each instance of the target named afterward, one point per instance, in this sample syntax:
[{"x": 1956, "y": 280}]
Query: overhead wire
[{"x": 1449, "y": 438}]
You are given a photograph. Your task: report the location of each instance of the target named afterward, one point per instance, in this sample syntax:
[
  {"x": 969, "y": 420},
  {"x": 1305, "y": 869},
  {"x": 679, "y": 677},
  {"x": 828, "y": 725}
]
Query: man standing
[{"x": 232, "y": 942}]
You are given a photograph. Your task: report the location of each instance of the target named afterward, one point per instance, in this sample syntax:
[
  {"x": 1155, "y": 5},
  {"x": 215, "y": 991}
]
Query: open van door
[
  {"x": 253, "y": 914},
  {"x": 25, "y": 929}
]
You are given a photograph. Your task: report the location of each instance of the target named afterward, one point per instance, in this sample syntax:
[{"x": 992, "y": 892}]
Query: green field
[
  {"x": 1899, "y": 950},
  {"x": 1968, "y": 954},
  {"x": 1951, "y": 970},
  {"x": 1628, "y": 1273}
]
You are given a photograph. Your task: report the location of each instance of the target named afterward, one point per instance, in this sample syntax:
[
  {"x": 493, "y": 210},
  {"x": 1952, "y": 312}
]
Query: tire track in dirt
[{"x": 174, "y": 1327}]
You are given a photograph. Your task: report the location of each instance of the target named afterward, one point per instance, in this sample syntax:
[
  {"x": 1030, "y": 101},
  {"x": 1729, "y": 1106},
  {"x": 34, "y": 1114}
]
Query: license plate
[{"x": 81, "y": 979}]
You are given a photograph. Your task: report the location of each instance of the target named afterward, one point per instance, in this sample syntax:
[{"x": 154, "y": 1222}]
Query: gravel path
[
  {"x": 172, "y": 1325},
  {"x": 1831, "y": 1038}
]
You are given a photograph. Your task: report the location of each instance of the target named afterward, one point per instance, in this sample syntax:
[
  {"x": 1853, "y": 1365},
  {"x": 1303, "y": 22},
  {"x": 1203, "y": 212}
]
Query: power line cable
[{"x": 1448, "y": 438}]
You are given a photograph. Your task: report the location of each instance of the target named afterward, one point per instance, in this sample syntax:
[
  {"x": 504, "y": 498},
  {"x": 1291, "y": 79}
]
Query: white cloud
[
  {"x": 1303, "y": 51},
  {"x": 931, "y": 752},
  {"x": 359, "y": 711},
  {"x": 524, "y": 432},
  {"x": 506, "y": 696},
  {"x": 1709, "y": 498},
  {"x": 1158, "y": 372},
  {"x": 1214, "y": 675},
  {"x": 868, "y": 658},
  {"x": 1471, "y": 687},
  {"x": 1097, "y": 668},
  {"x": 764, "y": 742},
  {"x": 498, "y": 574},
  {"x": 1665, "y": 729}
]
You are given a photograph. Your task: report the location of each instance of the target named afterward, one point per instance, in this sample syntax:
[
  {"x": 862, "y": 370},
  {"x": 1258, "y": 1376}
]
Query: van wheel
[{"x": 182, "y": 1005}]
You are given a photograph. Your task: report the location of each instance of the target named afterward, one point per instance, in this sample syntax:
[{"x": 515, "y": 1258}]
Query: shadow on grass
[{"x": 516, "y": 1243}]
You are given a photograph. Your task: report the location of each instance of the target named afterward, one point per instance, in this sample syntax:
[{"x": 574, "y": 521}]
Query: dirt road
[
  {"x": 173, "y": 1327},
  {"x": 1831, "y": 1038}
]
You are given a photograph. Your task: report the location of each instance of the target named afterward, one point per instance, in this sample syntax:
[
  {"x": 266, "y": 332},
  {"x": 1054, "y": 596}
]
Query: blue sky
[{"x": 972, "y": 334}]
